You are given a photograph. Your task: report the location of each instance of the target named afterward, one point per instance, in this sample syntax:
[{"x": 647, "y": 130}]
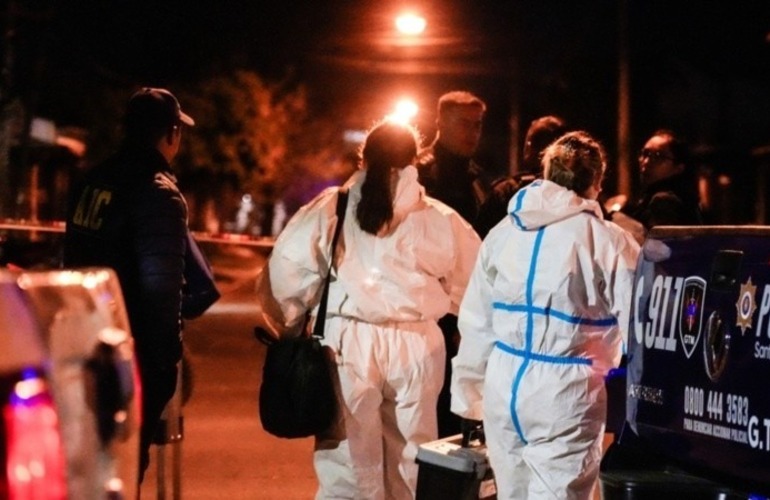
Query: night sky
[{"x": 699, "y": 67}]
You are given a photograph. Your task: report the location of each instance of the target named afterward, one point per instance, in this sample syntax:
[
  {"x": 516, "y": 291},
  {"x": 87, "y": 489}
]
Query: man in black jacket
[
  {"x": 129, "y": 215},
  {"x": 540, "y": 134},
  {"x": 449, "y": 174},
  {"x": 446, "y": 167}
]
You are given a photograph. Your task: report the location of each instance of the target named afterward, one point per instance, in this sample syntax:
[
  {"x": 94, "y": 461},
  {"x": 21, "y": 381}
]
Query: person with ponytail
[
  {"x": 542, "y": 322},
  {"x": 402, "y": 262}
]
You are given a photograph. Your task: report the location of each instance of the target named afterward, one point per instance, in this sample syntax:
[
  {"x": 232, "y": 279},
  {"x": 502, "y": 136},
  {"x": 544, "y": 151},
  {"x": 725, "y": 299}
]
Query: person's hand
[
  {"x": 472, "y": 430},
  {"x": 470, "y": 424}
]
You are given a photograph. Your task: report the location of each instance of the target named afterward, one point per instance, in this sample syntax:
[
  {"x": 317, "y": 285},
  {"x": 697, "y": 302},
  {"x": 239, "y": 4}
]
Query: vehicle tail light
[{"x": 35, "y": 460}]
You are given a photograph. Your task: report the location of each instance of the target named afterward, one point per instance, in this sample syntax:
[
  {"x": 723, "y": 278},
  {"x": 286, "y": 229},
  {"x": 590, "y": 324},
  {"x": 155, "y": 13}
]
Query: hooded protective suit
[
  {"x": 541, "y": 324},
  {"x": 385, "y": 295}
]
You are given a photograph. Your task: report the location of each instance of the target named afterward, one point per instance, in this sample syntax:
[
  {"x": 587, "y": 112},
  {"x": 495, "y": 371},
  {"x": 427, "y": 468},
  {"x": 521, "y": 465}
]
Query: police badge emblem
[
  {"x": 691, "y": 313},
  {"x": 746, "y": 305}
]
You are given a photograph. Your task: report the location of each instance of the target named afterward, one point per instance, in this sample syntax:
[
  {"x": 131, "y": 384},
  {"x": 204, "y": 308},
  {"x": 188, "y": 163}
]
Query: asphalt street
[{"x": 225, "y": 453}]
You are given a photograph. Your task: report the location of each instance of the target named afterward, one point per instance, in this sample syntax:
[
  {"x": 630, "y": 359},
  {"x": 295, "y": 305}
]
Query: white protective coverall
[
  {"x": 385, "y": 296},
  {"x": 541, "y": 324}
]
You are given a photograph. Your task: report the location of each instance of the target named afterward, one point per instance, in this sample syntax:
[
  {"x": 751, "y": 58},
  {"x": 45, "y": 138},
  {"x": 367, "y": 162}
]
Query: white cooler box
[{"x": 449, "y": 471}]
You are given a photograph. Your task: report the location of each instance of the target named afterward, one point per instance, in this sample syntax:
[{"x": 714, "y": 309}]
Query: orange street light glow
[
  {"x": 406, "y": 109},
  {"x": 410, "y": 24}
]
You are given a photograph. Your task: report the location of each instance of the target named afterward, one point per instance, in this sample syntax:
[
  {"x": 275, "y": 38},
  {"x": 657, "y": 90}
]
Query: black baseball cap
[{"x": 156, "y": 106}]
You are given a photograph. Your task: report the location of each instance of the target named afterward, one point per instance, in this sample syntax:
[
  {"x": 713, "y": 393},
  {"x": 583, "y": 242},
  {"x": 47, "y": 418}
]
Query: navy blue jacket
[{"x": 129, "y": 215}]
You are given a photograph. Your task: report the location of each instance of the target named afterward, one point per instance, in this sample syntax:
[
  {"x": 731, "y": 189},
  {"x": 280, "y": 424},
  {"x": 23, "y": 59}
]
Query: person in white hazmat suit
[
  {"x": 403, "y": 262},
  {"x": 542, "y": 322}
]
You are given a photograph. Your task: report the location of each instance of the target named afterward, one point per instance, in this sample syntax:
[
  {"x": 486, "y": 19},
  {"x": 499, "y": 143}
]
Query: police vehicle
[
  {"x": 697, "y": 394},
  {"x": 69, "y": 387},
  {"x": 31, "y": 455}
]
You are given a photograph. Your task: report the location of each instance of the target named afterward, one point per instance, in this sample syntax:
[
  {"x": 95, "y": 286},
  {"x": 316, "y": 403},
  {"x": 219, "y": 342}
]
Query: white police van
[{"x": 697, "y": 394}]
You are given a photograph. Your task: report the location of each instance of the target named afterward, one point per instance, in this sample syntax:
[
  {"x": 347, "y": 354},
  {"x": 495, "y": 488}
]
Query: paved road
[{"x": 225, "y": 452}]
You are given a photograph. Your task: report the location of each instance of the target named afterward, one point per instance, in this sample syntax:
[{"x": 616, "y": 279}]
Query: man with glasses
[{"x": 669, "y": 183}]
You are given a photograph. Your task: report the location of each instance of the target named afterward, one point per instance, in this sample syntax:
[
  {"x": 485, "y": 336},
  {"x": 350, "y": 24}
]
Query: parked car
[
  {"x": 697, "y": 416},
  {"x": 88, "y": 366}
]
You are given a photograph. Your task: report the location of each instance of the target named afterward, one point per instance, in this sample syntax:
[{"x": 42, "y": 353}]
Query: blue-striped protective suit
[{"x": 542, "y": 322}]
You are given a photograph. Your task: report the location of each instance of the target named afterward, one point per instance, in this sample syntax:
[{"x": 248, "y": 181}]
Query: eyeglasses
[{"x": 654, "y": 156}]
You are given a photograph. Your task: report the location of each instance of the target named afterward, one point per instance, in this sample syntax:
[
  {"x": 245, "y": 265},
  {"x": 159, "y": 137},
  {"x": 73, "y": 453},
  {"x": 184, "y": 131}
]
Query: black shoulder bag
[{"x": 297, "y": 397}]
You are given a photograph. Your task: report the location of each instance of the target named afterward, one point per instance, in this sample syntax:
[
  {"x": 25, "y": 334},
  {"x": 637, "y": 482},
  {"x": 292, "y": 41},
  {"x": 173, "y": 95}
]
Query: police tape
[{"x": 200, "y": 236}]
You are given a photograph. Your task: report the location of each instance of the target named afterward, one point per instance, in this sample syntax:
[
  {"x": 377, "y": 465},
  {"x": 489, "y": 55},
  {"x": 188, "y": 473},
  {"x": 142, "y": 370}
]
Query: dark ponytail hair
[{"x": 388, "y": 145}]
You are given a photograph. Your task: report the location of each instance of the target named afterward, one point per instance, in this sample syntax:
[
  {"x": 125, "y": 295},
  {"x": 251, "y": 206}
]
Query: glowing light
[
  {"x": 121, "y": 417},
  {"x": 21, "y": 474},
  {"x": 93, "y": 279},
  {"x": 28, "y": 389},
  {"x": 35, "y": 459},
  {"x": 354, "y": 136},
  {"x": 615, "y": 203},
  {"x": 113, "y": 336},
  {"x": 114, "y": 485},
  {"x": 410, "y": 24},
  {"x": 406, "y": 109},
  {"x": 77, "y": 147}
]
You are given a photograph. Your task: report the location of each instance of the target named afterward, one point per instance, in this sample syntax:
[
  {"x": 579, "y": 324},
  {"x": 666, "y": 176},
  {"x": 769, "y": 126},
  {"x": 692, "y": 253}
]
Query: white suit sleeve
[
  {"x": 466, "y": 248},
  {"x": 301, "y": 256},
  {"x": 621, "y": 282},
  {"x": 476, "y": 342}
]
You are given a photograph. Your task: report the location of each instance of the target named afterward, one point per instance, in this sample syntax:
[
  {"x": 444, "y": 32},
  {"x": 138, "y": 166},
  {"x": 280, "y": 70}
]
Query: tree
[{"x": 256, "y": 137}]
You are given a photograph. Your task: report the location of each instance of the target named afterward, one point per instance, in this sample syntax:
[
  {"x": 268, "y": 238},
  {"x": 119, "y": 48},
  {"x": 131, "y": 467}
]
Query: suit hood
[{"x": 544, "y": 202}]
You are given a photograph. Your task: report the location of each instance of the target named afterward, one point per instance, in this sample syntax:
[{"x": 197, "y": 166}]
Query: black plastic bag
[{"x": 297, "y": 397}]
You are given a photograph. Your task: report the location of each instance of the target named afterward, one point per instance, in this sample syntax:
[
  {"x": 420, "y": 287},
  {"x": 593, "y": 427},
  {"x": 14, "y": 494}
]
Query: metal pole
[
  {"x": 514, "y": 120},
  {"x": 171, "y": 432},
  {"x": 34, "y": 198},
  {"x": 7, "y": 115},
  {"x": 161, "y": 480},
  {"x": 177, "y": 479},
  {"x": 514, "y": 123},
  {"x": 624, "y": 103}
]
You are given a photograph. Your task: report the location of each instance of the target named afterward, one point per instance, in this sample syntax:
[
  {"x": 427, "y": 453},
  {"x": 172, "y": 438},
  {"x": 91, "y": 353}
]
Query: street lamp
[
  {"x": 406, "y": 109},
  {"x": 410, "y": 24}
]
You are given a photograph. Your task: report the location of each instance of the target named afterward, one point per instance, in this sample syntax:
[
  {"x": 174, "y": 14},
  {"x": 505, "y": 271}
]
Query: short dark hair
[
  {"x": 458, "y": 98},
  {"x": 541, "y": 132}
]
